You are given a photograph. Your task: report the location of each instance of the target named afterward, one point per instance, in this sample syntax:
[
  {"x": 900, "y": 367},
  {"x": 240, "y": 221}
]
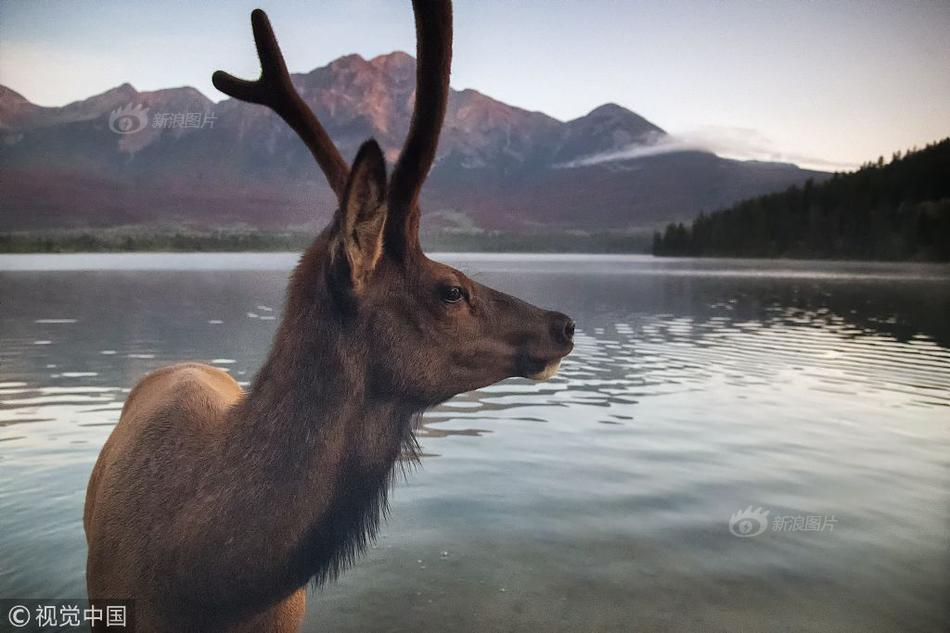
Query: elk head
[{"x": 421, "y": 331}]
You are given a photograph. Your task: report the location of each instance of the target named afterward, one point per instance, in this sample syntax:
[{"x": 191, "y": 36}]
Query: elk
[{"x": 213, "y": 507}]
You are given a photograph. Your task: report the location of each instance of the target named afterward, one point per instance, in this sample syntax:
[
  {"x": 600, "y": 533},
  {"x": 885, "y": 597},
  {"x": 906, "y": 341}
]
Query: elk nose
[{"x": 563, "y": 329}]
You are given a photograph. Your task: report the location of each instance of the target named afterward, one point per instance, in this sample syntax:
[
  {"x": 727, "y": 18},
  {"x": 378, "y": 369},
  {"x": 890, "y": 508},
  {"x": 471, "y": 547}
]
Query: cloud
[
  {"x": 651, "y": 146},
  {"x": 748, "y": 144},
  {"x": 727, "y": 142}
]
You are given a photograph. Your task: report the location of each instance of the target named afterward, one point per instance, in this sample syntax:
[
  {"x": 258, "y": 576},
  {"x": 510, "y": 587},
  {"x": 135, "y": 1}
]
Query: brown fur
[{"x": 212, "y": 507}]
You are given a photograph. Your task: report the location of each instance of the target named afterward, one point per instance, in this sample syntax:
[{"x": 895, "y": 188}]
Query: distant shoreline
[
  {"x": 89, "y": 241},
  {"x": 635, "y": 264},
  {"x": 174, "y": 241}
]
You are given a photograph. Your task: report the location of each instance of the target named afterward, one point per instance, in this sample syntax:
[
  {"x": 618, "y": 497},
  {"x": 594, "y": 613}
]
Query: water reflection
[{"x": 597, "y": 501}]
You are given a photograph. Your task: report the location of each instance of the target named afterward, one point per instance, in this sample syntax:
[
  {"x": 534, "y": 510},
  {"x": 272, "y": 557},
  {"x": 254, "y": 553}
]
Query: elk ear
[{"x": 363, "y": 215}]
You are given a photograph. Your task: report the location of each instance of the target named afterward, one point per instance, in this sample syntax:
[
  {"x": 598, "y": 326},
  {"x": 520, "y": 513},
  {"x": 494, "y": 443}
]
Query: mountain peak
[
  {"x": 15, "y": 109},
  {"x": 10, "y": 95},
  {"x": 395, "y": 57},
  {"x": 122, "y": 91},
  {"x": 184, "y": 98},
  {"x": 397, "y": 65},
  {"x": 352, "y": 61},
  {"x": 605, "y": 129},
  {"x": 609, "y": 109},
  {"x": 621, "y": 115}
]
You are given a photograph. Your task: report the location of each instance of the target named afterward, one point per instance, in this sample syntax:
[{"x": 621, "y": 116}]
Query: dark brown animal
[{"x": 212, "y": 507}]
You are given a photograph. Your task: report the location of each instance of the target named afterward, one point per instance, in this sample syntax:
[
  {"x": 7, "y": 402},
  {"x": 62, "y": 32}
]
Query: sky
[{"x": 824, "y": 84}]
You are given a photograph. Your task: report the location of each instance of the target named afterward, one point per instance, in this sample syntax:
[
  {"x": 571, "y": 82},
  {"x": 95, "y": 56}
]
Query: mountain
[
  {"x": 609, "y": 127},
  {"x": 187, "y": 161}
]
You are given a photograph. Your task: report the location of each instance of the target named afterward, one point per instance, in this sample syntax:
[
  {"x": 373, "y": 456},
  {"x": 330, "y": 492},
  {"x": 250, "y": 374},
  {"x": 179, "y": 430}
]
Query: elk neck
[{"x": 310, "y": 434}]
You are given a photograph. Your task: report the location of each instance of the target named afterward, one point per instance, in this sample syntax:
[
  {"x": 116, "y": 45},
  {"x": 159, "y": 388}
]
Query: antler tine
[
  {"x": 275, "y": 90},
  {"x": 433, "y": 65}
]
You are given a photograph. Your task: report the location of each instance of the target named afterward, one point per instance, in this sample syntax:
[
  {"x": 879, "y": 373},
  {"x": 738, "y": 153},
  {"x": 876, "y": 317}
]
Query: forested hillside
[{"x": 899, "y": 210}]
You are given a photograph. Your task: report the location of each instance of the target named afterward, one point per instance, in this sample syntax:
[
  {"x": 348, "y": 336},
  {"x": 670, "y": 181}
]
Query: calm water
[{"x": 599, "y": 501}]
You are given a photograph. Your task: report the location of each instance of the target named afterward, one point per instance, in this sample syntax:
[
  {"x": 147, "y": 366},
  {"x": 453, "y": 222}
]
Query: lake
[{"x": 733, "y": 445}]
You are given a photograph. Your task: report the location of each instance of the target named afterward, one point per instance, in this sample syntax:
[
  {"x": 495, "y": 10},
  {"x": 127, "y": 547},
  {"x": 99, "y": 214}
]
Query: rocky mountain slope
[{"x": 174, "y": 157}]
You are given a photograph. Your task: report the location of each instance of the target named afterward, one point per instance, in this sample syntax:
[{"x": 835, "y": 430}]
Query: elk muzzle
[{"x": 542, "y": 360}]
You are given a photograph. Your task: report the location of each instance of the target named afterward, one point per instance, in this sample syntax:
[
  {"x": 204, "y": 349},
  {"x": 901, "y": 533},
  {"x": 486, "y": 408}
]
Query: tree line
[
  {"x": 146, "y": 239},
  {"x": 896, "y": 210}
]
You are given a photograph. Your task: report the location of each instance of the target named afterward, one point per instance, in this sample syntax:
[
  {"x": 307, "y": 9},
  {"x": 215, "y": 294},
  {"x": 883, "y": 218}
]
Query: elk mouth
[
  {"x": 540, "y": 369},
  {"x": 548, "y": 372}
]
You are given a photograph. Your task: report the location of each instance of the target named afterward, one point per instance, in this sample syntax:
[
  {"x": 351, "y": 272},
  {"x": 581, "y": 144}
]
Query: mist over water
[{"x": 600, "y": 500}]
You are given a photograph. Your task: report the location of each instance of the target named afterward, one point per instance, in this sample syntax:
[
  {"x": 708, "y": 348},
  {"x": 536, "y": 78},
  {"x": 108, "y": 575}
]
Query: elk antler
[
  {"x": 433, "y": 64},
  {"x": 275, "y": 90}
]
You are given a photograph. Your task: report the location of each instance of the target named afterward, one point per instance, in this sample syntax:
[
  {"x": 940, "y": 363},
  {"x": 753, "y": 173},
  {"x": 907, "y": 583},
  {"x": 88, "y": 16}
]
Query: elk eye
[{"x": 452, "y": 294}]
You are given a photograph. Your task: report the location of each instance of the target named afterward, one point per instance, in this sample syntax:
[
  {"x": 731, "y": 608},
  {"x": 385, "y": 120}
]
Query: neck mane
[{"x": 310, "y": 434}]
